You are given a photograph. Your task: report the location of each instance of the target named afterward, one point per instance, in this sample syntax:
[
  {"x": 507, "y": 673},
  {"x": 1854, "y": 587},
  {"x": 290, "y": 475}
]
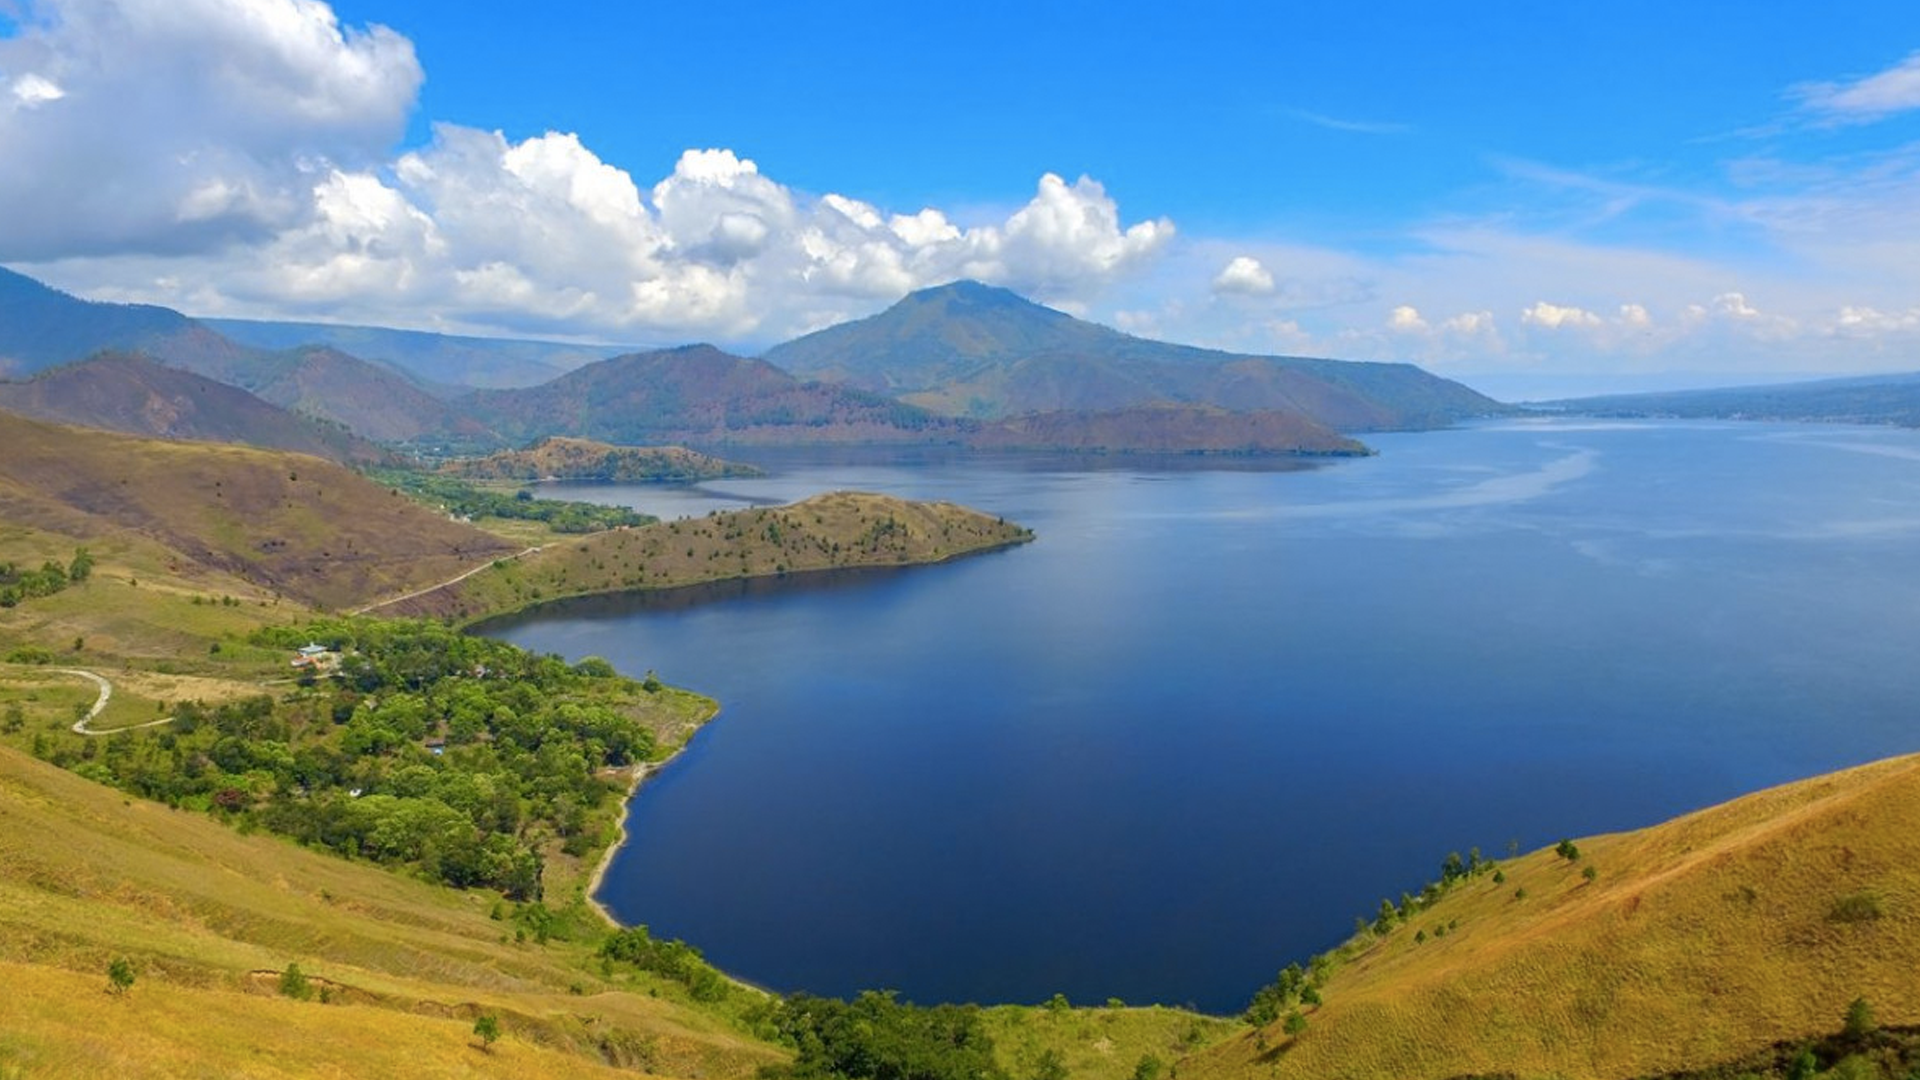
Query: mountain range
[{"x": 962, "y": 364}]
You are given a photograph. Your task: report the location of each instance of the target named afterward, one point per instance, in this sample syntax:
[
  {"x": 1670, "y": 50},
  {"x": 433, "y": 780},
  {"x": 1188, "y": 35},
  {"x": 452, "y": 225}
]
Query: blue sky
[{"x": 1611, "y": 195}]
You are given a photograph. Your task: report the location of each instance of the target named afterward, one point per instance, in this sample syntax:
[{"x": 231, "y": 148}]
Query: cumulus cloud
[
  {"x": 1406, "y": 319},
  {"x": 179, "y": 125},
  {"x": 1555, "y": 317},
  {"x": 1245, "y": 276},
  {"x": 1895, "y": 90},
  {"x": 240, "y": 152}
]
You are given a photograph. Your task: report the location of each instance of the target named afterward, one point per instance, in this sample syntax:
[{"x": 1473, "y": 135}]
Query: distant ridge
[
  {"x": 41, "y": 327},
  {"x": 700, "y": 395},
  {"x": 136, "y": 396},
  {"x": 1867, "y": 399},
  {"x": 967, "y": 349},
  {"x": 447, "y": 364}
]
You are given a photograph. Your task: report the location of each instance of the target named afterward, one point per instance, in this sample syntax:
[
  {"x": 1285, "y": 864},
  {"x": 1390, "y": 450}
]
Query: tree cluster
[
  {"x": 875, "y": 1037},
  {"x": 17, "y": 583},
  {"x": 468, "y": 501},
  {"x": 457, "y": 756}
]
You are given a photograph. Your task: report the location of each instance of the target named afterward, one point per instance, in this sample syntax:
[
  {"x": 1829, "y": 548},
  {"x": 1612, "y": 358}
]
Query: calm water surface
[{"x": 1216, "y": 712}]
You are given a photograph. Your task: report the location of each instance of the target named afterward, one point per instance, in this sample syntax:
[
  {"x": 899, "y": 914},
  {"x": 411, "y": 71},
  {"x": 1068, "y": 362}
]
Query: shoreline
[
  {"x": 478, "y": 623},
  {"x": 641, "y": 774}
]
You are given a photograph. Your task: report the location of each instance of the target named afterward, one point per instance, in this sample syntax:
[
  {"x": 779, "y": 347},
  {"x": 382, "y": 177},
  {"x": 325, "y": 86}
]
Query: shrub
[
  {"x": 1863, "y": 906},
  {"x": 294, "y": 984},
  {"x": 120, "y": 975}
]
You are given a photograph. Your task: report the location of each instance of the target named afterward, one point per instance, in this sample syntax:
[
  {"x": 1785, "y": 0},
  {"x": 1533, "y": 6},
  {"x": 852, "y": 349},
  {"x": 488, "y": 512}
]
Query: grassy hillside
[
  {"x": 135, "y": 396},
  {"x": 286, "y": 524},
  {"x": 562, "y": 458},
  {"x": 210, "y": 918},
  {"x": 843, "y": 529},
  {"x": 1692, "y": 943}
]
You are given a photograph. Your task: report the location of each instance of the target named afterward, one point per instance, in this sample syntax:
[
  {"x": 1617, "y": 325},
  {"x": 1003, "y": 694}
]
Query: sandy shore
[{"x": 641, "y": 773}]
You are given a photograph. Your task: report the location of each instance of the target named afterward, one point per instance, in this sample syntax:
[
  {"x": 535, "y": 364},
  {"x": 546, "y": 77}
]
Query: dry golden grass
[
  {"x": 837, "y": 530},
  {"x": 1701, "y": 940},
  {"x": 87, "y": 875}
]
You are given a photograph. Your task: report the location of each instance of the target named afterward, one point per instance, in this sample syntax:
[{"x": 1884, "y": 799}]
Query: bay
[{"x": 1218, "y": 709}]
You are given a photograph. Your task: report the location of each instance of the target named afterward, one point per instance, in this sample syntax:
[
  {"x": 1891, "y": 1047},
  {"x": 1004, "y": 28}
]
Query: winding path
[
  {"x": 81, "y": 727},
  {"x": 454, "y": 580}
]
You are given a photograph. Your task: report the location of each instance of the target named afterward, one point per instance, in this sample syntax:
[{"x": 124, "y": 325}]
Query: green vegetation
[
  {"x": 487, "y": 1030},
  {"x": 875, "y": 1037},
  {"x": 560, "y": 458},
  {"x": 461, "y": 758},
  {"x": 17, "y": 584},
  {"x": 120, "y": 975},
  {"x": 461, "y": 499}
]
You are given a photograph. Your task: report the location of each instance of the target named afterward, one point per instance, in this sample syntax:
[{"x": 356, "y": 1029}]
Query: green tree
[
  {"x": 1149, "y": 1068},
  {"x": 1296, "y": 1023},
  {"x": 1859, "y": 1023},
  {"x": 294, "y": 984},
  {"x": 1591, "y": 873},
  {"x": 487, "y": 1027},
  {"x": 120, "y": 975},
  {"x": 81, "y": 568},
  {"x": 1567, "y": 850},
  {"x": 1051, "y": 1067}
]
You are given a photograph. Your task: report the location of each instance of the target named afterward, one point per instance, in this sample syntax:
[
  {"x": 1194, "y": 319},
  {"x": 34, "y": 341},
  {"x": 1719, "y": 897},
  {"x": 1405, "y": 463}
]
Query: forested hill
[{"x": 968, "y": 349}]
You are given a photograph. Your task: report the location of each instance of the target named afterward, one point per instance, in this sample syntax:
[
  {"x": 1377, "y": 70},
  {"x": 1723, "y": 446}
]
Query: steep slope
[
  {"x": 968, "y": 349},
  {"x": 1694, "y": 942},
  {"x": 292, "y": 524},
  {"x": 137, "y": 396},
  {"x": 41, "y": 327},
  {"x": 447, "y": 363},
  {"x": 210, "y": 918},
  {"x": 695, "y": 394},
  {"x": 561, "y": 458}
]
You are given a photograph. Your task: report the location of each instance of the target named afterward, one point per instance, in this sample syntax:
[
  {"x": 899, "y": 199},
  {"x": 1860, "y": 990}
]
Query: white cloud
[
  {"x": 1635, "y": 316},
  {"x": 1884, "y": 93},
  {"x": 1244, "y": 275},
  {"x": 181, "y": 125},
  {"x": 1555, "y": 317},
  {"x": 1470, "y": 323},
  {"x": 30, "y": 90},
  {"x": 1406, "y": 319}
]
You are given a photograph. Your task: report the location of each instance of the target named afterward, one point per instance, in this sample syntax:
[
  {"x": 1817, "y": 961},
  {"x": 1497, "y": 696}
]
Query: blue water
[{"x": 1215, "y": 711}]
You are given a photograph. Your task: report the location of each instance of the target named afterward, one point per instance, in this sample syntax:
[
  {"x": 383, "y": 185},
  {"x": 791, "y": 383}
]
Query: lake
[{"x": 1218, "y": 710}]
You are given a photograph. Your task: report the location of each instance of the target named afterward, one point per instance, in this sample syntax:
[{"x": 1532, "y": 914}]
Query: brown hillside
[
  {"x": 561, "y": 458},
  {"x": 296, "y": 525},
  {"x": 1699, "y": 941},
  {"x": 136, "y": 396}
]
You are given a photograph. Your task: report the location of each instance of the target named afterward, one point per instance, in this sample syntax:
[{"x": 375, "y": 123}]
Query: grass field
[
  {"x": 1697, "y": 941},
  {"x": 825, "y": 532},
  {"x": 87, "y": 875}
]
